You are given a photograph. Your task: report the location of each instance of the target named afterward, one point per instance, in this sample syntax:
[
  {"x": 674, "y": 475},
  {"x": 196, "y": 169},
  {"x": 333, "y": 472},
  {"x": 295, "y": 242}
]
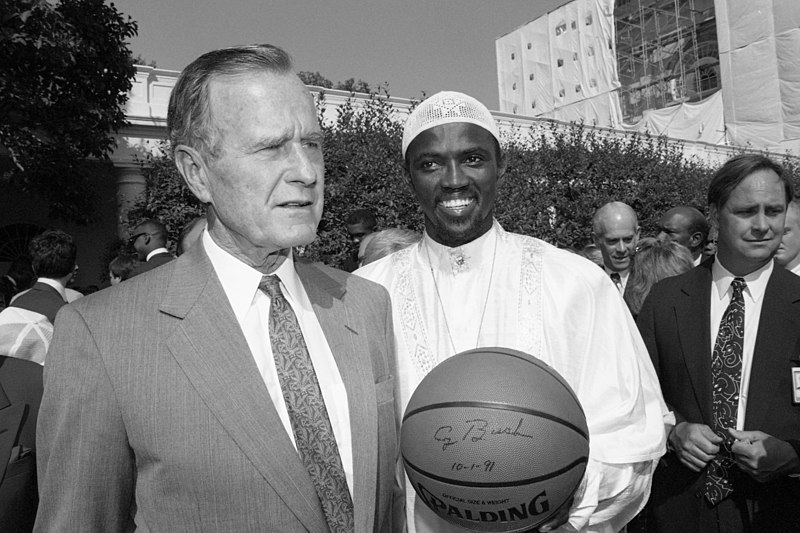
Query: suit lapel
[
  {"x": 776, "y": 344},
  {"x": 692, "y": 314},
  {"x": 213, "y": 353},
  {"x": 346, "y": 338}
]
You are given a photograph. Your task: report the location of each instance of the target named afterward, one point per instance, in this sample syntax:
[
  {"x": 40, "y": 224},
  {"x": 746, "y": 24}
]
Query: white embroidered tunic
[{"x": 509, "y": 290}]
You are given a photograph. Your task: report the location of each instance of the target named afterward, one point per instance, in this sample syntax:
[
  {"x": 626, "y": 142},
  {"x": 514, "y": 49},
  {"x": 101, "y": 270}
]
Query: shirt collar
[
  {"x": 240, "y": 281},
  {"x": 56, "y": 285},
  {"x": 465, "y": 258},
  {"x": 155, "y": 252},
  {"x": 756, "y": 280}
]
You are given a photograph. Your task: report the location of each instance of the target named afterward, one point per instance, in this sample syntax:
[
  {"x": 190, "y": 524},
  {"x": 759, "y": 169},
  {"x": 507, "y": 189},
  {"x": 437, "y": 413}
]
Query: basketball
[{"x": 494, "y": 439}]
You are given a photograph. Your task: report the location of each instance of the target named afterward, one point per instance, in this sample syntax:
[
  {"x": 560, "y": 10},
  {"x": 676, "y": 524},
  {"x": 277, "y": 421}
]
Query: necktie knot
[
  {"x": 617, "y": 279},
  {"x": 738, "y": 285},
  {"x": 271, "y": 286}
]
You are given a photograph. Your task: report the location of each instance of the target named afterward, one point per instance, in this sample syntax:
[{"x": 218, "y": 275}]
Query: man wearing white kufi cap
[{"x": 469, "y": 283}]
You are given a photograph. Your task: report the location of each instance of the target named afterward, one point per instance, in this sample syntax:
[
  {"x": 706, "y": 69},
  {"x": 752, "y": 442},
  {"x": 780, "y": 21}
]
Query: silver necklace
[{"x": 441, "y": 304}]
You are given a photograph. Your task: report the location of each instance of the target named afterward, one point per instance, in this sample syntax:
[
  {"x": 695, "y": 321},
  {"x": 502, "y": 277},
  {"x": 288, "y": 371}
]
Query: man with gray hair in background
[
  {"x": 615, "y": 230},
  {"x": 236, "y": 388},
  {"x": 470, "y": 284}
]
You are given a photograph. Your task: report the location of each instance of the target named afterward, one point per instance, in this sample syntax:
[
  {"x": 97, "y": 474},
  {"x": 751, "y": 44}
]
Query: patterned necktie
[
  {"x": 726, "y": 373},
  {"x": 615, "y": 277},
  {"x": 312, "y": 428}
]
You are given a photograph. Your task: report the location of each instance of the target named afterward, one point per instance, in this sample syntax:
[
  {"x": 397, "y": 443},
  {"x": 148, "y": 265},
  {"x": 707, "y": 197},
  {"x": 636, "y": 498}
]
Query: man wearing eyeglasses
[{"x": 149, "y": 239}]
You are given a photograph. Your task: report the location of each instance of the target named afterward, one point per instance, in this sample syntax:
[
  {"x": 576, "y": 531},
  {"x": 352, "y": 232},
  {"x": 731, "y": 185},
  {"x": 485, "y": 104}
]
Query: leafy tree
[
  {"x": 141, "y": 60},
  {"x": 315, "y": 78},
  {"x": 350, "y": 84},
  {"x": 65, "y": 74},
  {"x": 354, "y": 86}
]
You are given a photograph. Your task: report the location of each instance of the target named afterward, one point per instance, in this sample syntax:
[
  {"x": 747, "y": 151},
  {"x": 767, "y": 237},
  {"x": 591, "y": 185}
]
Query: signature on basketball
[{"x": 475, "y": 430}]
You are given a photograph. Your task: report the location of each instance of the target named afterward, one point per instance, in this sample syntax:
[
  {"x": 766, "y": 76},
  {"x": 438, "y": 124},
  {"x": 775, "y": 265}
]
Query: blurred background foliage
[{"x": 556, "y": 178}]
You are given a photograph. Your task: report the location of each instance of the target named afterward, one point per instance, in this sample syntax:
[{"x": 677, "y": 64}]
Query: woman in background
[{"x": 655, "y": 260}]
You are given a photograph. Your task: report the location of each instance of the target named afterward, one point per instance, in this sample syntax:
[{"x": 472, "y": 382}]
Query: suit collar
[
  {"x": 692, "y": 315},
  {"x": 157, "y": 251},
  {"x": 192, "y": 272},
  {"x": 239, "y": 280},
  {"x": 756, "y": 280}
]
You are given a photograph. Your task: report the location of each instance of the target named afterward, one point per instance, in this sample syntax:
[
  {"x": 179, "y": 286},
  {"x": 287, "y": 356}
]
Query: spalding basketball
[{"x": 494, "y": 439}]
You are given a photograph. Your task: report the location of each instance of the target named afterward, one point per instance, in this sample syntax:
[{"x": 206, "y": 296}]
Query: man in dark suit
[
  {"x": 236, "y": 388},
  {"x": 149, "y": 239},
  {"x": 360, "y": 223},
  {"x": 53, "y": 256},
  {"x": 725, "y": 341}
]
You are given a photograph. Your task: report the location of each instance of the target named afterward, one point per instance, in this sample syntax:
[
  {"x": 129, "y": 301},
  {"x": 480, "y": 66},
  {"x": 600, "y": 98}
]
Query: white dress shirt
[
  {"x": 251, "y": 307},
  {"x": 509, "y": 290},
  {"x": 753, "y": 299}
]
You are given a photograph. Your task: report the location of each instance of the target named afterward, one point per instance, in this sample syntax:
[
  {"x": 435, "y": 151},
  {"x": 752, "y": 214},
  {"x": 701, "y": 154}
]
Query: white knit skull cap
[{"x": 447, "y": 107}]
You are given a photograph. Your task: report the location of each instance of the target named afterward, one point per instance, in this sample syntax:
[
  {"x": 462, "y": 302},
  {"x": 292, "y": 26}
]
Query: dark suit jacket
[
  {"x": 674, "y": 322},
  {"x": 154, "y": 262},
  {"x": 21, "y": 386},
  {"x": 155, "y": 414},
  {"x": 41, "y": 298}
]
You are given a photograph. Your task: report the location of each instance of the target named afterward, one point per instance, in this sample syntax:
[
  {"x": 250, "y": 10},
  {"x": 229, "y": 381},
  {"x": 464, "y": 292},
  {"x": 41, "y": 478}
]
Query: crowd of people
[{"x": 238, "y": 387}]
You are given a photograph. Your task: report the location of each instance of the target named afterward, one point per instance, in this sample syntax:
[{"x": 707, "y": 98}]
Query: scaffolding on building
[{"x": 667, "y": 53}]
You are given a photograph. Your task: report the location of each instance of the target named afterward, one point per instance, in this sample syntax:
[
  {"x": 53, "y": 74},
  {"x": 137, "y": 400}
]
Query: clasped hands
[{"x": 761, "y": 456}]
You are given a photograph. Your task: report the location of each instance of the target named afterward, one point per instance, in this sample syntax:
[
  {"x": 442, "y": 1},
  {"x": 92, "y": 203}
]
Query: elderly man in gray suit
[{"x": 236, "y": 388}]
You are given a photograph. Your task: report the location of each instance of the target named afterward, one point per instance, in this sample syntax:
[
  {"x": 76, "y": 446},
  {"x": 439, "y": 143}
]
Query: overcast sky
[{"x": 413, "y": 45}]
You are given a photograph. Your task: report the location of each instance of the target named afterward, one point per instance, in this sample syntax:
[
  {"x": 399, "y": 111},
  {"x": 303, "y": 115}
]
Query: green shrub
[
  {"x": 167, "y": 198},
  {"x": 559, "y": 176},
  {"x": 556, "y": 178}
]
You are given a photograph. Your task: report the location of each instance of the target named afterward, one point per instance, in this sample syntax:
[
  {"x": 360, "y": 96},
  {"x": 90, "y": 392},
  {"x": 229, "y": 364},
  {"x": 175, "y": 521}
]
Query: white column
[{"x": 131, "y": 186}]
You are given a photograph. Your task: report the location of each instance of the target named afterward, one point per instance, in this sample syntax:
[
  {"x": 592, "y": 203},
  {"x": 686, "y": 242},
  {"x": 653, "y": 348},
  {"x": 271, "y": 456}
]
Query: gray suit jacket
[{"x": 155, "y": 415}]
